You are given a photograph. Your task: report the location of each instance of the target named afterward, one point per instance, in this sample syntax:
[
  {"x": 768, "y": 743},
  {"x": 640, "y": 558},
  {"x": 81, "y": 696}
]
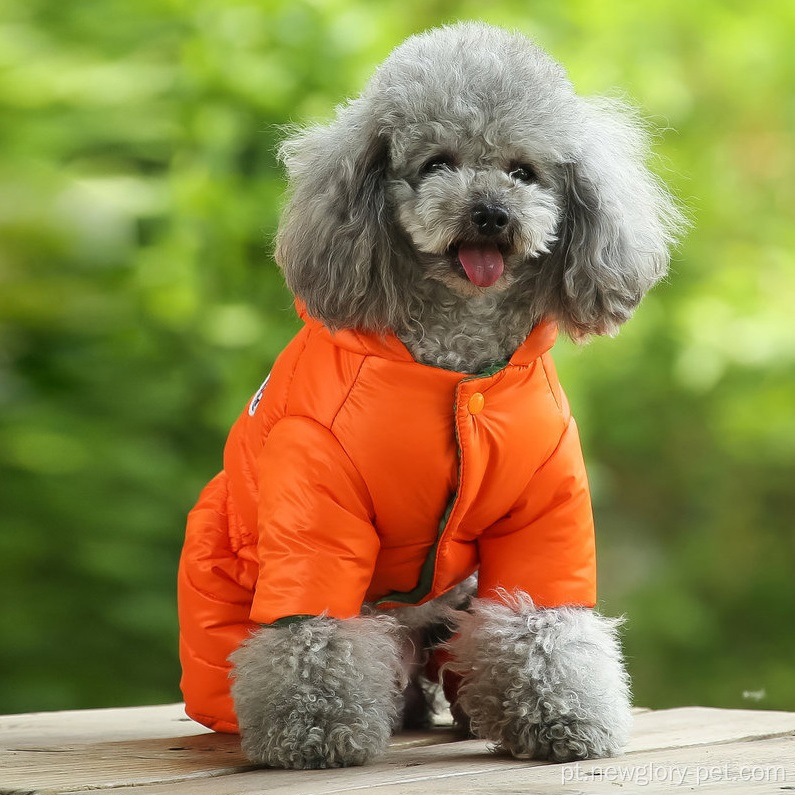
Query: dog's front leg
[
  {"x": 318, "y": 692},
  {"x": 543, "y": 683}
]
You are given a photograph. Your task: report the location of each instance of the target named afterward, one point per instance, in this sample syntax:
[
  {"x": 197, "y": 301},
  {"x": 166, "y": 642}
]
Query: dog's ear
[
  {"x": 333, "y": 243},
  {"x": 617, "y": 229}
]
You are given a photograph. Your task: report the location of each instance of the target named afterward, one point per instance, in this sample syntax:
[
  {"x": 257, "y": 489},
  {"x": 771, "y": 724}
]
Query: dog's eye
[
  {"x": 438, "y": 163},
  {"x": 523, "y": 173}
]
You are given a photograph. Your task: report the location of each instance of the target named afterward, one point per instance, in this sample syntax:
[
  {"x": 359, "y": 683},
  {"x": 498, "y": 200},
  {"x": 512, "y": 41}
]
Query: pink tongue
[{"x": 483, "y": 264}]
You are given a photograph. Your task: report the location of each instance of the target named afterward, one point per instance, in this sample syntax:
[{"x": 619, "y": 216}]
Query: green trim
[
  {"x": 490, "y": 371},
  {"x": 287, "y": 620}
]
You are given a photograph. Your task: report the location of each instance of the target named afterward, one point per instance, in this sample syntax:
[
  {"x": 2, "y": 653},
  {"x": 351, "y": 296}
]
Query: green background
[{"x": 140, "y": 309}]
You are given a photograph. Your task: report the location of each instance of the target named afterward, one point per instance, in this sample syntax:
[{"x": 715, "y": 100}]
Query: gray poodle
[{"x": 466, "y": 205}]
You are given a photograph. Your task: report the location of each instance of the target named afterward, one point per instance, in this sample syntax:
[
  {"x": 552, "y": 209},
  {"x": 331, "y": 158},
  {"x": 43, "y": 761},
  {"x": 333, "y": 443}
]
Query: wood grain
[{"x": 155, "y": 750}]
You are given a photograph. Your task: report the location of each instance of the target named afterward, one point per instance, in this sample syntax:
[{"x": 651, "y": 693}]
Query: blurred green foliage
[{"x": 140, "y": 308}]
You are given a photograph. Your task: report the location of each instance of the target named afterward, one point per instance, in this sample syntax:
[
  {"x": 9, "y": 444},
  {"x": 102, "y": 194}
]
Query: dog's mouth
[{"x": 483, "y": 264}]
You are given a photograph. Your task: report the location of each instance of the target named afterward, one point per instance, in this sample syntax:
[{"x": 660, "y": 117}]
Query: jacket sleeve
[
  {"x": 545, "y": 545},
  {"x": 317, "y": 544}
]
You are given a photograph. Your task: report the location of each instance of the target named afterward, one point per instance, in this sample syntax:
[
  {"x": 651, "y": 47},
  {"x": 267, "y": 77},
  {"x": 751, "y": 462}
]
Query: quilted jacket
[{"x": 357, "y": 475}]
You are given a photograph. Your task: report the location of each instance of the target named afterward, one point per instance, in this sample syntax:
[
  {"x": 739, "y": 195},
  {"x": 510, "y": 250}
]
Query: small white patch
[{"x": 252, "y": 407}]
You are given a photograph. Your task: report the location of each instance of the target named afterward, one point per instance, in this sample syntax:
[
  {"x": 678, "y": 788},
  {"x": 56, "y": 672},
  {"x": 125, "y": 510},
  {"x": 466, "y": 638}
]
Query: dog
[{"x": 405, "y": 494}]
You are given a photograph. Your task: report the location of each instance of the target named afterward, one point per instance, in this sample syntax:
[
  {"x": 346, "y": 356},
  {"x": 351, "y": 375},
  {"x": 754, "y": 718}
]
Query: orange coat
[{"x": 356, "y": 474}]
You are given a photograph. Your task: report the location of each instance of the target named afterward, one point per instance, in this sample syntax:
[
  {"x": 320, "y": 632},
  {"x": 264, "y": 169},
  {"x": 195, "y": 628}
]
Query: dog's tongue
[{"x": 483, "y": 264}]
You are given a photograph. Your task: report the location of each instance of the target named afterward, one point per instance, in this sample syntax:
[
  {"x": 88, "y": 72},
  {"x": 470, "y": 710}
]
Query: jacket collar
[{"x": 388, "y": 346}]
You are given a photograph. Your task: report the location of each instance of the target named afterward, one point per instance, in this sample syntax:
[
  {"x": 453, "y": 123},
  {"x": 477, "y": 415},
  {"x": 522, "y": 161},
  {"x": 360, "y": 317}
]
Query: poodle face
[
  {"x": 474, "y": 210},
  {"x": 468, "y": 193}
]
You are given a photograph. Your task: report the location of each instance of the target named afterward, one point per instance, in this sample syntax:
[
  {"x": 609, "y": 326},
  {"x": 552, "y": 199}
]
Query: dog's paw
[
  {"x": 560, "y": 738},
  {"x": 543, "y": 683},
  {"x": 318, "y": 693}
]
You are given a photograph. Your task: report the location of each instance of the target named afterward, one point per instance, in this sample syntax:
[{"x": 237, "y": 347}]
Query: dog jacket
[{"x": 356, "y": 474}]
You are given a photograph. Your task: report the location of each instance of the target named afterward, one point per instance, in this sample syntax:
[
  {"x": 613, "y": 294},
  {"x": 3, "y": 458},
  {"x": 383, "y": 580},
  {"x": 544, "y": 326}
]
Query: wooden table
[{"x": 158, "y": 751}]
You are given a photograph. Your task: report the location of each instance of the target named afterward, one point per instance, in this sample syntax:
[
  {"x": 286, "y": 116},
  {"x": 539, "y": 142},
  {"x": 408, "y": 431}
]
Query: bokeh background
[{"x": 140, "y": 308}]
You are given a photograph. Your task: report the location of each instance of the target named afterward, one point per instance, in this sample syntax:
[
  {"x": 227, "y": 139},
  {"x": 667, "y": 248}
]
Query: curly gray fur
[
  {"x": 542, "y": 683},
  {"x": 318, "y": 693},
  {"x": 368, "y": 236}
]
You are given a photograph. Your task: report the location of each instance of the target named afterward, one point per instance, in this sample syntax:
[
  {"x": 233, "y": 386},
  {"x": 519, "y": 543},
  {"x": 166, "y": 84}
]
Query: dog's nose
[{"x": 489, "y": 218}]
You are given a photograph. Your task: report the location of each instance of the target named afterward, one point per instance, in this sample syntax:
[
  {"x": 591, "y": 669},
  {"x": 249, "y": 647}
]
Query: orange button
[{"x": 476, "y": 403}]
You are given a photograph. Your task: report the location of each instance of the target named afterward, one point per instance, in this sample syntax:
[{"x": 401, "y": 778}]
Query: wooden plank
[
  {"x": 89, "y": 725},
  {"x": 764, "y": 766},
  {"x": 686, "y": 726},
  {"x": 41, "y": 753},
  {"x": 472, "y": 770},
  {"x": 78, "y": 768},
  {"x": 154, "y": 767}
]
